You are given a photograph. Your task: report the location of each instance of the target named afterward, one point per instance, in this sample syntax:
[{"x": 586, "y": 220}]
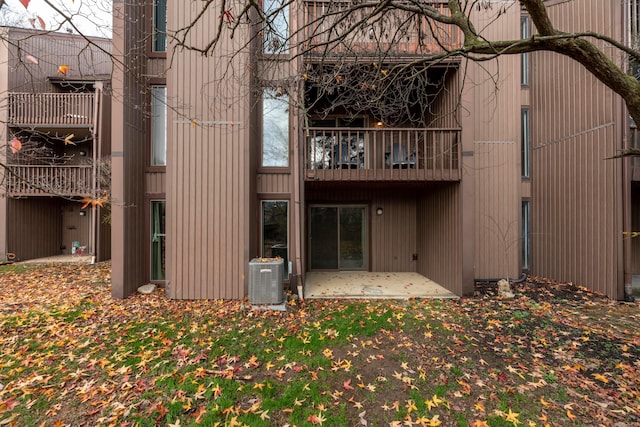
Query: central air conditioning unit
[{"x": 266, "y": 281}]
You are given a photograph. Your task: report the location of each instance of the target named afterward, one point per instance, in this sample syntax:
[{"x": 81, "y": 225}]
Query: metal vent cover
[{"x": 266, "y": 281}]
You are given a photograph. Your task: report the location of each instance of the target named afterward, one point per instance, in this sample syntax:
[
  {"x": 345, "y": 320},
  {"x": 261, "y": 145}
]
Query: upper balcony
[
  {"x": 338, "y": 28},
  {"x": 51, "y": 110},
  {"x": 58, "y": 180},
  {"x": 382, "y": 154}
]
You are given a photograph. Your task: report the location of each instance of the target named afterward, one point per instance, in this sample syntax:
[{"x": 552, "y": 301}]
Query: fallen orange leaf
[{"x": 63, "y": 69}]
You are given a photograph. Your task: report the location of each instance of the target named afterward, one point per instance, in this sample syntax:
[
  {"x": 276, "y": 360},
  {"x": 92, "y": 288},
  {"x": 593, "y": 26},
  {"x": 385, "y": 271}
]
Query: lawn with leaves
[{"x": 70, "y": 355}]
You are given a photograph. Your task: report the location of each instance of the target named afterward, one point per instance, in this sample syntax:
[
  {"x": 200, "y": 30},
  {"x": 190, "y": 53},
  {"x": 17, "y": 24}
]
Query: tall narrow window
[
  {"x": 276, "y": 27},
  {"x": 160, "y": 25},
  {"x": 158, "y": 240},
  {"x": 524, "y": 58},
  {"x": 526, "y": 244},
  {"x": 275, "y": 230},
  {"x": 158, "y": 125},
  {"x": 275, "y": 129},
  {"x": 525, "y": 137}
]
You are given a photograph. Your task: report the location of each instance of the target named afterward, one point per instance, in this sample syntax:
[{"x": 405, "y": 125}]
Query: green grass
[{"x": 84, "y": 358}]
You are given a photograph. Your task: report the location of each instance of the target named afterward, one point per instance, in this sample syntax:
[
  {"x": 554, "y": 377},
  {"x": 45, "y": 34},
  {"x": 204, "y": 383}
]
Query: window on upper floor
[
  {"x": 276, "y": 27},
  {"x": 159, "y": 26},
  {"x": 525, "y": 33},
  {"x": 275, "y": 128},
  {"x": 158, "y": 125},
  {"x": 525, "y": 142}
]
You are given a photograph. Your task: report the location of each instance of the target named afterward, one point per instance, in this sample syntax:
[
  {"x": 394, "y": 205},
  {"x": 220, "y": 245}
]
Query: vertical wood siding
[
  {"x": 439, "y": 236},
  {"x": 128, "y": 149},
  {"x": 273, "y": 183},
  {"x": 576, "y": 228},
  {"x": 207, "y": 164},
  {"x": 34, "y": 227},
  {"x": 496, "y": 135},
  {"x": 53, "y": 50},
  {"x": 497, "y": 209}
]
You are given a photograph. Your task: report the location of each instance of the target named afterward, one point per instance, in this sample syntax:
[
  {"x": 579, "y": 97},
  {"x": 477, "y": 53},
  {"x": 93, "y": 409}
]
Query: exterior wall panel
[
  {"x": 34, "y": 227},
  {"x": 439, "y": 237},
  {"x": 498, "y": 209},
  {"x": 155, "y": 182},
  {"x": 392, "y": 235},
  {"x": 207, "y": 165},
  {"x": 52, "y": 50},
  {"x": 496, "y": 136},
  {"x": 577, "y": 225},
  {"x": 128, "y": 149},
  {"x": 273, "y": 183}
]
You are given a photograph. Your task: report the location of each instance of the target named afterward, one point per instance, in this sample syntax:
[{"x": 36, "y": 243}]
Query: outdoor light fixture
[
  {"x": 83, "y": 153},
  {"x": 379, "y": 211},
  {"x": 83, "y": 213}
]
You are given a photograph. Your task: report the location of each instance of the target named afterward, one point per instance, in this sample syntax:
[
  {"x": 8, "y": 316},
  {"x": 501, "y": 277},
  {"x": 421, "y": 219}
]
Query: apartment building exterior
[
  {"x": 55, "y": 121},
  {"x": 493, "y": 169}
]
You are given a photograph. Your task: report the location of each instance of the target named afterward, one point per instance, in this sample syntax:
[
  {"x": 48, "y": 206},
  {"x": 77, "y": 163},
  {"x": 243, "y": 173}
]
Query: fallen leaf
[
  {"x": 64, "y": 69},
  {"x": 15, "y": 145}
]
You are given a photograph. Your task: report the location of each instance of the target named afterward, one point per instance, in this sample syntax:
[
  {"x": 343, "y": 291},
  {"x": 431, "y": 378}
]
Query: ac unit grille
[{"x": 266, "y": 281}]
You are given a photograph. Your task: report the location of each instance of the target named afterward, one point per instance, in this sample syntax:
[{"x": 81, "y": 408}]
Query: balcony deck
[
  {"x": 382, "y": 154},
  {"x": 51, "y": 110},
  {"x": 62, "y": 180},
  {"x": 338, "y": 28}
]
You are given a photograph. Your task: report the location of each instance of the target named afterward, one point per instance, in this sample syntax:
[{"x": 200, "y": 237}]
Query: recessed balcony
[{"x": 382, "y": 154}]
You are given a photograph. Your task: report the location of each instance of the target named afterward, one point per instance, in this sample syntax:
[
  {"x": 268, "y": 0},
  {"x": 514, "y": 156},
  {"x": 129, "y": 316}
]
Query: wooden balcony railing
[
  {"x": 382, "y": 154},
  {"x": 333, "y": 28},
  {"x": 51, "y": 109},
  {"x": 28, "y": 180}
]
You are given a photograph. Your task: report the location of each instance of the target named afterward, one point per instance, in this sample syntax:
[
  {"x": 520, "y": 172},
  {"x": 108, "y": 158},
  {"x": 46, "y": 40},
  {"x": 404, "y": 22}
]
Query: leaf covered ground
[{"x": 70, "y": 355}]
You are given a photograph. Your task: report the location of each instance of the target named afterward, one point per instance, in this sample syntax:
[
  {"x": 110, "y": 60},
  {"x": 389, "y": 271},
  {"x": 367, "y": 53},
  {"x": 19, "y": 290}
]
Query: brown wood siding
[
  {"x": 34, "y": 227},
  {"x": 207, "y": 164},
  {"x": 496, "y": 137},
  {"x": 576, "y": 228},
  {"x": 156, "y": 182},
  {"x": 273, "y": 183},
  {"x": 392, "y": 235},
  {"x": 53, "y": 50},
  {"x": 128, "y": 151},
  {"x": 498, "y": 209},
  {"x": 445, "y": 108},
  {"x": 439, "y": 237}
]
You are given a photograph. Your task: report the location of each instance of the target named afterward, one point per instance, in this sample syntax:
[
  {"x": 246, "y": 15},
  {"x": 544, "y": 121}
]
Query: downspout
[
  {"x": 96, "y": 149},
  {"x": 627, "y": 205}
]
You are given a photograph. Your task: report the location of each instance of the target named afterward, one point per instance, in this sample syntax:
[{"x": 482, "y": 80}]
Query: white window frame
[
  {"x": 525, "y": 141},
  {"x": 275, "y": 129},
  {"x": 155, "y": 236},
  {"x": 276, "y": 28},
  {"x": 158, "y": 125}
]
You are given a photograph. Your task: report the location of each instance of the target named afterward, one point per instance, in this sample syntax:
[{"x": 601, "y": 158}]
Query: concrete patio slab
[
  {"x": 60, "y": 259},
  {"x": 368, "y": 285}
]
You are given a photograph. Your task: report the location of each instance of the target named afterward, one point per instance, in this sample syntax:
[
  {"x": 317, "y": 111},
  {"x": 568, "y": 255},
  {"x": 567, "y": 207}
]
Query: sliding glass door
[{"x": 337, "y": 237}]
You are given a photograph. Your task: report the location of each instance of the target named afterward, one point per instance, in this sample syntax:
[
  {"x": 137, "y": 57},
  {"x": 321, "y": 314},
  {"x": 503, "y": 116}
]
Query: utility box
[{"x": 266, "y": 281}]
